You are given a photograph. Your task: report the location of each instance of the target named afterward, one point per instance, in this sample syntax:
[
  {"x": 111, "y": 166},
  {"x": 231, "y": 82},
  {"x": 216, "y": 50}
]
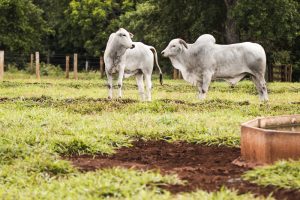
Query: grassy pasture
[{"x": 39, "y": 121}]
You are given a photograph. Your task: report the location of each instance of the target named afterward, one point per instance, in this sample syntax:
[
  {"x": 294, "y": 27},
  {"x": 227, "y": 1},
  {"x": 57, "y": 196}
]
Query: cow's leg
[
  {"x": 120, "y": 81},
  {"x": 203, "y": 86},
  {"x": 261, "y": 87},
  {"x": 140, "y": 84},
  {"x": 109, "y": 85},
  {"x": 148, "y": 86}
]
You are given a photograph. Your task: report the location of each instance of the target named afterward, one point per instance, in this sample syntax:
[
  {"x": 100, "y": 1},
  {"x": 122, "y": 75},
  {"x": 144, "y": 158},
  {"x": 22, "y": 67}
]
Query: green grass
[
  {"x": 41, "y": 120},
  {"x": 283, "y": 174},
  {"x": 223, "y": 194}
]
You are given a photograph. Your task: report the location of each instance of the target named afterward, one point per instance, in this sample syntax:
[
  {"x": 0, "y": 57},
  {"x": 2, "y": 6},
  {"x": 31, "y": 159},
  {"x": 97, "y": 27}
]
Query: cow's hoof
[
  {"x": 109, "y": 98},
  {"x": 265, "y": 101},
  {"x": 202, "y": 97}
]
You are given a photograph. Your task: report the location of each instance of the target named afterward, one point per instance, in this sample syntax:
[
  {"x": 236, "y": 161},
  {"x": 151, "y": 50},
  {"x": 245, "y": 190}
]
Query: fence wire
[{"x": 21, "y": 61}]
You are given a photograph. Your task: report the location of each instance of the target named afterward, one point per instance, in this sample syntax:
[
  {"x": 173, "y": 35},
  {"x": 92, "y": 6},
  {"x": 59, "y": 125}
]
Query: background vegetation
[{"x": 83, "y": 26}]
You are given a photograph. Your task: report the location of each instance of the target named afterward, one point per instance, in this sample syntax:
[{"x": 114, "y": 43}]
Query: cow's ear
[
  {"x": 181, "y": 41},
  {"x": 131, "y": 35}
]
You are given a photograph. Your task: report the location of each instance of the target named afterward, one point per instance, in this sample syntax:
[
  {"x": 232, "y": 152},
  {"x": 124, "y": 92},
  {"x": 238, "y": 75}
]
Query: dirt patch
[
  {"x": 203, "y": 167},
  {"x": 44, "y": 98}
]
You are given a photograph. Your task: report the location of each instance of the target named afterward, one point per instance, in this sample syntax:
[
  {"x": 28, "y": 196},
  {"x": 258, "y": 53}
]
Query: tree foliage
[
  {"x": 21, "y": 26},
  {"x": 156, "y": 22},
  {"x": 159, "y": 21},
  {"x": 273, "y": 23},
  {"x": 83, "y": 26},
  {"x": 54, "y": 16},
  {"x": 89, "y": 24}
]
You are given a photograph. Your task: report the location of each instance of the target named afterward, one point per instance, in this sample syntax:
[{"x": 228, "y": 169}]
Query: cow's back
[
  {"x": 238, "y": 58},
  {"x": 139, "y": 56},
  {"x": 254, "y": 56}
]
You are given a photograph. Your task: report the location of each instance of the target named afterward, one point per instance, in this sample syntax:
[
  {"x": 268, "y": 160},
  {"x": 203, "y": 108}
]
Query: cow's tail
[{"x": 156, "y": 62}]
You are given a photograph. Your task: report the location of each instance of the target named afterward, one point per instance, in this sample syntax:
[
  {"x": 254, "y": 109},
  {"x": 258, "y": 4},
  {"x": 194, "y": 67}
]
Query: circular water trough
[{"x": 269, "y": 139}]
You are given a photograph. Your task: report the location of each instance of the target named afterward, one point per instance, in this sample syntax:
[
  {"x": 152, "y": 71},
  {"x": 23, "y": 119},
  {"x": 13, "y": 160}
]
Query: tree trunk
[{"x": 231, "y": 34}]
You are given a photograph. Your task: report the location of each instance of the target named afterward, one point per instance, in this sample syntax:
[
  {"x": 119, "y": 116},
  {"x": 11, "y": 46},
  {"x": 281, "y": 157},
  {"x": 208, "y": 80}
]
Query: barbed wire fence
[
  {"x": 67, "y": 62},
  {"x": 80, "y": 62}
]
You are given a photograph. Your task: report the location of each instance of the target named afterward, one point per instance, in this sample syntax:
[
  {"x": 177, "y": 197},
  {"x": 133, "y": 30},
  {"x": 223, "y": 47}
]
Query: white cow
[
  {"x": 129, "y": 58},
  {"x": 205, "y": 60}
]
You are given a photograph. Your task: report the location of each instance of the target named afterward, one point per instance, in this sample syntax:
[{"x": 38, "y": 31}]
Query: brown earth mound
[{"x": 203, "y": 167}]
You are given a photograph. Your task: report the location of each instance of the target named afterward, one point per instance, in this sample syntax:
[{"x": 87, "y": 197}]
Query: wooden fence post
[
  {"x": 179, "y": 75},
  {"x": 31, "y": 62},
  {"x": 270, "y": 72},
  {"x": 75, "y": 67},
  {"x": 101, "y": 67},
  {"x": 86, "y": 65},
  {"x": 1, "y": 65},
  {"x": 175, "y": 74},
  {"x": 281, "y": 73},
  {"x": 290, "y": 73},
  {"x": 67, "y": 66},
  {"x": 48, "y": 57},
  {"x": 37, "y": 65},
  {"x": 267, "y": 74}
]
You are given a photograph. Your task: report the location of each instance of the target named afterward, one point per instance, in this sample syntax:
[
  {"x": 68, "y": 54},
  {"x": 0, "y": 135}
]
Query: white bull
[
  {"x": 205, "y": 60},
  {"x": 129, "y": 58}
]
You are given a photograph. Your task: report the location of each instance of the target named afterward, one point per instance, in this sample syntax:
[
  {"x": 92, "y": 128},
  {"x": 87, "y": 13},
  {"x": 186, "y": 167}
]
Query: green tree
[
  {"x": 21, "y": 26},
  {"x": 53, "y": 14},
  {"x": 156, "y": 22},
  {"x": 89, "y": 23},
  {"x": 276, "y": 25},
  {"x": 273, "y": 23}
]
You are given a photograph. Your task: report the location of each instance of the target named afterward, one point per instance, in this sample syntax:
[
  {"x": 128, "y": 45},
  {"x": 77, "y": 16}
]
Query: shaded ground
[{"x": 203, "y": 167}]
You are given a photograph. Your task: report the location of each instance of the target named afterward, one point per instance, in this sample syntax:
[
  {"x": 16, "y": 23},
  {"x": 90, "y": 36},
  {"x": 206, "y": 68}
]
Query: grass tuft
[{"x": 283, "y": 174}]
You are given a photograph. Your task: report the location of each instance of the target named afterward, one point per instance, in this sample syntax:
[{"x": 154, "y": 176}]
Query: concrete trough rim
[
  {"x": 269, "y": 131},
  {"x": 261, "y": 146}
]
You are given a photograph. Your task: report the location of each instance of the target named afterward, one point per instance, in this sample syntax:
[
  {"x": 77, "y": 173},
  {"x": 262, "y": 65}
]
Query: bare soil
[{"x": 203, "y": 167}]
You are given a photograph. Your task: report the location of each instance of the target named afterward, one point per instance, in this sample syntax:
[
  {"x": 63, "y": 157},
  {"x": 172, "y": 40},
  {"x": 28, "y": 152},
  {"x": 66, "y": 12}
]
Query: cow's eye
[
  {"x": 124, "y": 35},
  {"x": 173, "y": 46}
]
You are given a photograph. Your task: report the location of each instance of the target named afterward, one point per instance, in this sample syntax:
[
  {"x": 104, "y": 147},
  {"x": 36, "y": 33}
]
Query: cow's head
[
  {"x": 174, "y": 48},
  {"x": 124, "y": 38}
]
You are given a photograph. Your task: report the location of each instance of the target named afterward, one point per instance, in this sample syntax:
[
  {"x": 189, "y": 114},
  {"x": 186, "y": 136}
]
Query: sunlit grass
[
  {"x": 41, "y": 120},
  {"x": 223, "y": 194},
  {"x": 283, "y": 174}
]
